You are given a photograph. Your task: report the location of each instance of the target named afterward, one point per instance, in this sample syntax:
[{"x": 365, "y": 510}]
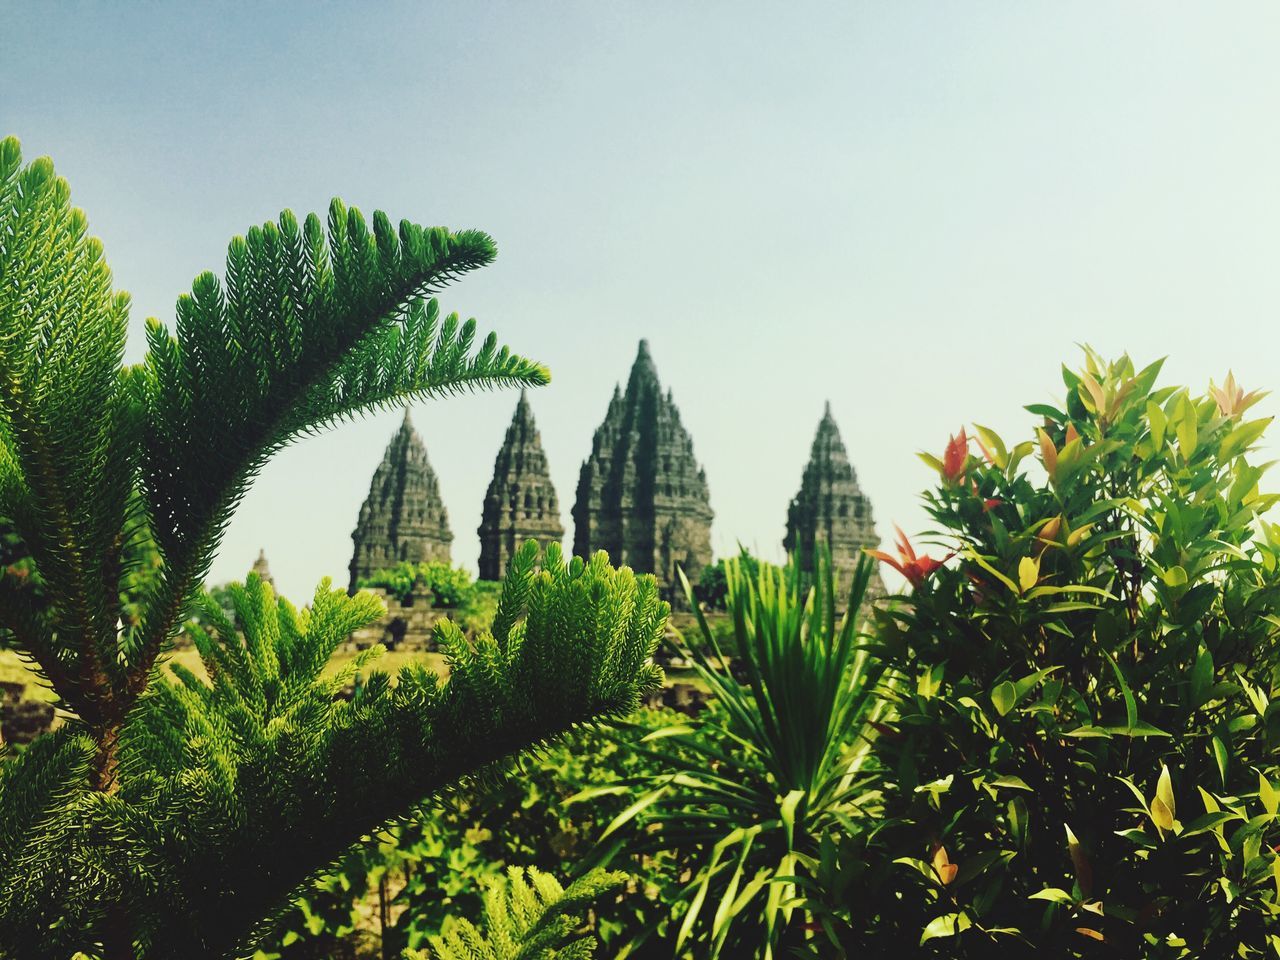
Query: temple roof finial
[
  {"x": 262, "y": 569},
  {"x": 829, "y": 506},
  {"x": 521, "y": 501}
]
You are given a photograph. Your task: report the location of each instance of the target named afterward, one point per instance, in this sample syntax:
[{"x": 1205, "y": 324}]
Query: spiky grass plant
[
  {"x": 749, "y": 791},
  {"x": 169, "y": 821}
]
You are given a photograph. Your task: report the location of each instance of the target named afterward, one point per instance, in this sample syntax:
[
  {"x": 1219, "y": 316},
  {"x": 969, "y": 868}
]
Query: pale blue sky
[{"x": 914, "y": 210}]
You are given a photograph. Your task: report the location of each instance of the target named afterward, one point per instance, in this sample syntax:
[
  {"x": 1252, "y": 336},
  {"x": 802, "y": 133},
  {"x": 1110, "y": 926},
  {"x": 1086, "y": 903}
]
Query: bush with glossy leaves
[{"x": 1083, "y": 760}]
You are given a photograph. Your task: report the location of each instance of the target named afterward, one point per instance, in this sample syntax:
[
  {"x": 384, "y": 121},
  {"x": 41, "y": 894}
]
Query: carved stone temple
[
  {"x": 641, "y": 494},
  {"x": 263, "y": 569},
  {"x": 521, "y": 501},
  {"x": 403, "y": 517},
  {"x": 830, "y": 508}
]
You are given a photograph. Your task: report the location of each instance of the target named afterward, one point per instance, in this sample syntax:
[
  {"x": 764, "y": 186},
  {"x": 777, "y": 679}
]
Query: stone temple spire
[
  {"x": 829, "y": 508},
  {"x": 262, "y": 569},
  {"x": 521, "y": 502},
  {"x": 641, "y": 494},
  {"x": 403, "y": 517}
]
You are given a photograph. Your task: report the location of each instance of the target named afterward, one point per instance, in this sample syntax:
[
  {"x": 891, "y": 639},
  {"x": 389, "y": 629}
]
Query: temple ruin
[
  {"x": 403, "y": 518},
  {"x": 641, "y": 494},
  {"x": 830, "y": 508},
  {"x": 521, "y": 501},
  {"x": 263, "y": 569}
]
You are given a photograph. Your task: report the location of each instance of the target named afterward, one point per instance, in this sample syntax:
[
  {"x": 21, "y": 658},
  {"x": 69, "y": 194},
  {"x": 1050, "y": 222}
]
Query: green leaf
[
  {"x": 1044, "y": 410},
  {"x": 1017, "y": 813},
  {"x": 1027, "y": 683},
  {"x": 1267, "y": 795},
  {"x": 1188, "y": 436},
  {"x": 1158, "y": 421},
  {"x": 985, "y": 565},
  {"x": 993, "y": 443},
  {"x": 1243, "y": 437},
  {"x": 1163, "y": 809},
  {"x": 931, "y": 461},
  {"x": 1139, "y": 729},
  {"x": 1012, "y": 782},
  {"x": 1079, "y": 861},
  {"x": 1211, "y": 804},
  {"x": 631, "y": 812},
  {"x": 1222, "y": 757},
  {"x": 948, "y": 925},
  {"x": 1130, "y": 704},
  {"x": 1089, "y": 730},
  {"x": 787, "y": 811},
  {"x": 1053, "y": 894},
  {"x": 1003, "y": 697},
  {"x": 1028, "y": 573},
  {"x": 1208, "y": 822},
  {"x": 1201, "y": 676}
]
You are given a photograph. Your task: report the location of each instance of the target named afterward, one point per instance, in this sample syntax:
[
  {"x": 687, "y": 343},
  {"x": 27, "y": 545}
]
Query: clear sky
[{"x": 914, "y": 210}]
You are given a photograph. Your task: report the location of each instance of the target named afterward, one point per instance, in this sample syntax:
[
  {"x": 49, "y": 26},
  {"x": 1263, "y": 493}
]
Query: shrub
[
  {"x": 451, "y": 586},
  {"x": 712, "y": 589},
  {"x": 1084, "y": 756}
]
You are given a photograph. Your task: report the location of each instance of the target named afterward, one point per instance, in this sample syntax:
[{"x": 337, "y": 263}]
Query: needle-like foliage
[
  {"x": 169, "y": 819},
  {"x": 528, "y": 915}
]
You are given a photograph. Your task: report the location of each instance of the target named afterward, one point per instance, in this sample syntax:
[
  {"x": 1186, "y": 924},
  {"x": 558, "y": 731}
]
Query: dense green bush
[
  {"x": 712, "y": 588},
  {"x": 450, "y": 586},
  {"x": 1084, "y": 758}
]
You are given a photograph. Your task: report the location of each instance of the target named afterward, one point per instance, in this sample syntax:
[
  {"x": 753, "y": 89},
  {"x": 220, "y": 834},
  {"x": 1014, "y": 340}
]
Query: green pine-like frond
[
  {"x": 528, "y": 915},
  {"x": 47, "y": 891},
  {"x": 239, "y": 787},
  {"x": 308, "y": 328},
  {"x": 67, "y": 422}
]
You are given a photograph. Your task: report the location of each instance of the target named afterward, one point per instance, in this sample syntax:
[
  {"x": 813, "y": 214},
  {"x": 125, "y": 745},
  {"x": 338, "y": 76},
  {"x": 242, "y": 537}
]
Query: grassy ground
[{"x": 13, "y": 670}]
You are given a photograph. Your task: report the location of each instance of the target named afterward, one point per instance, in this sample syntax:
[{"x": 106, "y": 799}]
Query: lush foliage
[
  {"x": 1062, "y": 742},
  {"x": 1059, "y": 743},
  {"x": 712, "y": 588},
  {"x": 528, "y": 915},
  {"x": 403, "y": 885},
  {"x": 450, "y": 586},
  {"x": 1085, "y": 749},
  {"x": 748, "y": 810},
  {"x": 167, "y": 821}
]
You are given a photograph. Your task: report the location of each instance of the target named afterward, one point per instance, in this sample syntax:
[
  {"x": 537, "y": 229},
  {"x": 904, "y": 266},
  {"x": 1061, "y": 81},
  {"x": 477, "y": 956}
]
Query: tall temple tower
[
  {"x": 403, "y": 517},
  {"x": 641, "y": 494},
  {"x": 263, "y": 569},
  {"x": 830, "y": 507},
  {"x": 521, "y": 502}
]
